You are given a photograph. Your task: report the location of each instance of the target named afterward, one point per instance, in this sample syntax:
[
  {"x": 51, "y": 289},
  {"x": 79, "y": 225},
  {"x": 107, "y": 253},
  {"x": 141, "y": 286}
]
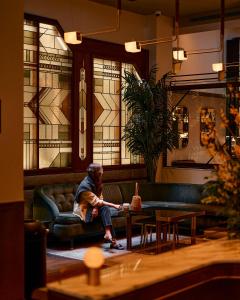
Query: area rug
[{"x": 78, "y": 253}]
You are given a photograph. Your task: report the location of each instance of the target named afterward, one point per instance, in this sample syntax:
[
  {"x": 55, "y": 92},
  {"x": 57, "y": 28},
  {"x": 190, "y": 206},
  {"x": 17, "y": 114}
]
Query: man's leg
[{"x": 105, "y": 215}]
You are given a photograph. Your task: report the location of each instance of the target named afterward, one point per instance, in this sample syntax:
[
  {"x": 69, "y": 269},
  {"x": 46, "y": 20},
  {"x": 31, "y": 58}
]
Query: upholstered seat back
[
  {"x": 112, "y": 193},
  {"x": 62, "y": 195}
]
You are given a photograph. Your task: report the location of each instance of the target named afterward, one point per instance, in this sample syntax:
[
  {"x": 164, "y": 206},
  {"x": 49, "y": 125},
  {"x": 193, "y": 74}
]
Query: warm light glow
[
  {"x": 132, "y": 47},
  {"x": 72, "y": 37},
  {"x": 217, "y": 67},
  {"x": 62, "y": 43},
  {"x": 177, "y": 67},
  {"x": 179, "y": 54},
  {"x": 94, "y": 258}
]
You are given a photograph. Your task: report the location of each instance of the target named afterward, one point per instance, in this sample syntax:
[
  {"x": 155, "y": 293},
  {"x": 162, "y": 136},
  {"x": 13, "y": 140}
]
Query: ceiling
[{"x": 167, "y": 7}]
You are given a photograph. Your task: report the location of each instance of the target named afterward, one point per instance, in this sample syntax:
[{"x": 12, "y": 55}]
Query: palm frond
[{"x": 149, "y": 130}]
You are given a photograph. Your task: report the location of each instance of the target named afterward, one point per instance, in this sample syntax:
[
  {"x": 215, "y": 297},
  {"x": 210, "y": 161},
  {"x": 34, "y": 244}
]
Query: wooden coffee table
[{"x": 171, "y": 217}]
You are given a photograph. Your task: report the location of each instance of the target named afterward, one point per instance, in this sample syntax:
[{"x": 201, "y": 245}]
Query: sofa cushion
[
  {"x": 62, "y": 195},
  {"x": 67, "y": 218},
  {"x": 171, "y": 192},
  {"x": 209, "y": 209},
  {"x": 112, "y": 193},
  {"x": 127, "y": 190}
]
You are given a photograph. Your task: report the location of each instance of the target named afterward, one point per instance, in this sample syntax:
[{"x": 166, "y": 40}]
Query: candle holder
[{"x": 93, "y": 259}]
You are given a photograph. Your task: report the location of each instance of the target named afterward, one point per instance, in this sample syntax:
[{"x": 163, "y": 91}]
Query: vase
[{"x": 136, "y": 203}]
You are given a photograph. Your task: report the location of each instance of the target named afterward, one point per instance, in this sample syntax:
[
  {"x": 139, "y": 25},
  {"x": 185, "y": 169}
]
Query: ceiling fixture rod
[
  {"x": 75, "y": 37},
  {"x": 135, "y": 46},
  {"x": 221, "y": 42}
]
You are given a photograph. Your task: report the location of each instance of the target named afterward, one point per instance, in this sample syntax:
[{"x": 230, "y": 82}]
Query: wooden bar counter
[{"x": 170, "y": 275}]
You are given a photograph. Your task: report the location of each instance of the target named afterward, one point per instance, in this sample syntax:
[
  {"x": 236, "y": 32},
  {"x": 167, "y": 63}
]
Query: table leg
[
  {"x": 193, "y": 230},
  {"x": 158, "y": 236},
  {"x": 129, "y": 231},
  {"x": 174, "y": 235}
]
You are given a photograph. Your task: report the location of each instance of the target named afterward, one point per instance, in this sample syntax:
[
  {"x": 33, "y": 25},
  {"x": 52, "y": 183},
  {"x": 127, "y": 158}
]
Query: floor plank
[{"x": 60, "y": 267}]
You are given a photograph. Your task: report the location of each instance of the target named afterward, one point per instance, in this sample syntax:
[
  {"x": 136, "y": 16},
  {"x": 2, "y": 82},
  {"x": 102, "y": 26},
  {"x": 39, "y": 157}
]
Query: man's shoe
[
  {"x": 107, "y": 240},
  {"x": 115, "y": 245}
]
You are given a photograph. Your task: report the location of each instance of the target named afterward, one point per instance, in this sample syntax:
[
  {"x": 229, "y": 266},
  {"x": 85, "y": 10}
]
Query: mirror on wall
[
  {"x": 207, "y": 122},
  {"x": 181, "y": 123}
]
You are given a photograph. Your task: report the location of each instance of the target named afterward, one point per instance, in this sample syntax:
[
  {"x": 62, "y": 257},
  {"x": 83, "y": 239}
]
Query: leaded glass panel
[
  {"x": 47, "y": 138},
  {"x": 30, "y": 94},
  {"x": 106, "y": 112},
  {"x": 55, "y": 67},
  {"x": 126, "y": 156},
  {"x": 82, "y": 128}
]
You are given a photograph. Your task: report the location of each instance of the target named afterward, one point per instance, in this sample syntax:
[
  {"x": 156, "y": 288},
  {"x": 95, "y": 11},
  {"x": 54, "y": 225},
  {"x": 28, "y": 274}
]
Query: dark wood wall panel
[{"x": 12, "y": 251}]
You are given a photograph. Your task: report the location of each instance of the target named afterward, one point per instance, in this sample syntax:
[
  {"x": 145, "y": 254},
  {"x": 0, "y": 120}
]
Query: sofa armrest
[{"x": 44, "y": 208}]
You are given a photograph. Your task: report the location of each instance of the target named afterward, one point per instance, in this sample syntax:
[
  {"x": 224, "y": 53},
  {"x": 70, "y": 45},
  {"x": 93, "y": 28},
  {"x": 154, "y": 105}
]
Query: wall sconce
[
  {"x": 221, "y": 68},
  {"x": 75, "y": 37},
  {"x": 217, "y": 67},
  {"x": 179, "y": 54},
  {"x": 133, "y": 47}
]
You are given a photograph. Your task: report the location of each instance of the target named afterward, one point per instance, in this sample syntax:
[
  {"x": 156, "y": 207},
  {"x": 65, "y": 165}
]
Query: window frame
[{"x": 87, "y": 51}]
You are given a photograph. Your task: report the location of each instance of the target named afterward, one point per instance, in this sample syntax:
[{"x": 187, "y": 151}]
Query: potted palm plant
[{"x": 149, "y": 130}]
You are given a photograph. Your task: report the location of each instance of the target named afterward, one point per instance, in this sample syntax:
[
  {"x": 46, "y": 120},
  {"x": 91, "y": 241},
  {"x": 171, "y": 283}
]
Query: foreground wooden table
[{"x": 156, "y": 276}]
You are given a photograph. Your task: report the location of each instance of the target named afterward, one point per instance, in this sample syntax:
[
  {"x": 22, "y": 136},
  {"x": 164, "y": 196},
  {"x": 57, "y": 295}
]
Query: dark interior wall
[
  {"x": 11, "y": 251},
  {"x": 11, "y": 162}
]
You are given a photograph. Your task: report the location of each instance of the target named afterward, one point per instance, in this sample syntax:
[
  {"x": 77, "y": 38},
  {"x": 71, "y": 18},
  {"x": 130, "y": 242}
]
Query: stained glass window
[
  {"x": 47, "y": 121},
  {"x": 126, "y": 156},
  {"x": 82, "y": 128},
  {"x": 30, "y": 95},
  {"x": 106, "y": 101},
  {"x": 110, "y": 114}
]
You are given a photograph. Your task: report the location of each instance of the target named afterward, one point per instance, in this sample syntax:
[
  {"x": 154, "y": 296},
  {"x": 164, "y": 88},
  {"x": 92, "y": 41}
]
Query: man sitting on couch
[{"x": 89, "y": 203}]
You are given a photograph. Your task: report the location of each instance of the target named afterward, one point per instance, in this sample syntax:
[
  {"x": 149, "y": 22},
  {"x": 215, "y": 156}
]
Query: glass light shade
[
  {"x": 94, "y": 258},
  {"x": 179, "y": 54},
  {"x": 71, "y": 37},
  {"x": 217, "y": 67},
  {"x": 132, "y": 47}
]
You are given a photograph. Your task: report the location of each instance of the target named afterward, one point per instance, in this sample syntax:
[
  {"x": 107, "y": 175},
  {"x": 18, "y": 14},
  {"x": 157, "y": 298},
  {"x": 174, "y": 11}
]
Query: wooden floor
[{"x": 60, "y": 267}]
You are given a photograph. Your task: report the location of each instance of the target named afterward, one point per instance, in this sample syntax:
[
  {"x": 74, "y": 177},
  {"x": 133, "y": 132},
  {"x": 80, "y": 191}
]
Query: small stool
[
  {"x": 142, "y": 231},
  {"x": 142, "y": 223},
  {"x": 148, "y": 230}
]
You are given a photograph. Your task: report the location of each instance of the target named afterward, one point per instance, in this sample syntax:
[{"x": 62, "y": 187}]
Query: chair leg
[
  {"x": 177, "y": 235},
  {"x": 142, "y": 235},
  {"x": 151, "y": 233},
  {"x": 145, "y": 239},
  {"x": 72, "y": 244}
]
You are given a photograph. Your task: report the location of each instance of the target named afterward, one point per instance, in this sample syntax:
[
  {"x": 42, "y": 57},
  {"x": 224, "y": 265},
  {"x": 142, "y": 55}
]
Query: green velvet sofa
[{"x": 53, "y": 205}]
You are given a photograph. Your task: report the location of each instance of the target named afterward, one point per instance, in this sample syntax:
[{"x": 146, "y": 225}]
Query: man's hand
[
  {"x": 117, "y": 206},
  {"x": 95, "y": 212}
]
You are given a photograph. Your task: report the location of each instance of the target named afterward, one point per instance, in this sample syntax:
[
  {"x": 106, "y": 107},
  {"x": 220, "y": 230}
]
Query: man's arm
[
  {"x": 117, "y": 206},
  {"x": 96, "y": 201}
]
